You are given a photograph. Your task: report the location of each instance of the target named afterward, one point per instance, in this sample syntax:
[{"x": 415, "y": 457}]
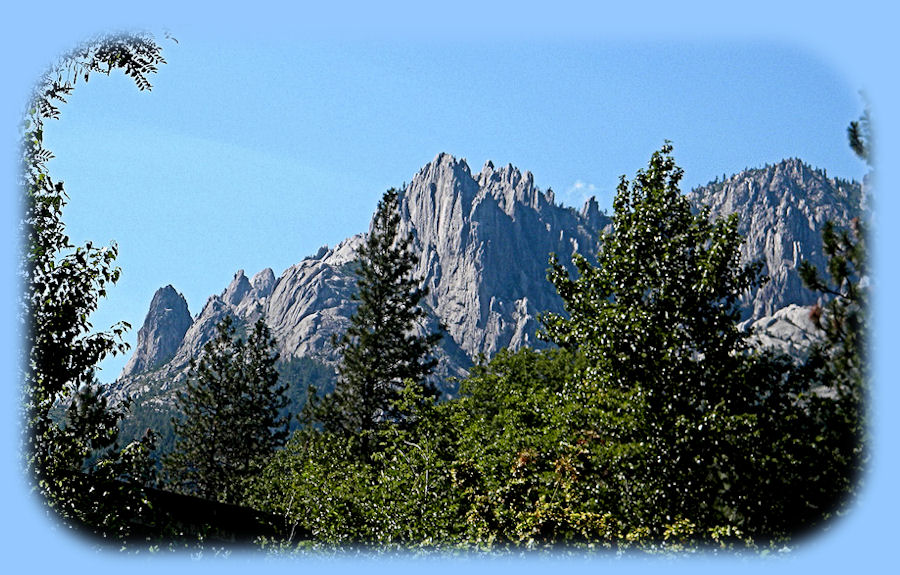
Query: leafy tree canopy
[
  {"x": 674, "y": 392},
  {"x": 62, "y": 285}
]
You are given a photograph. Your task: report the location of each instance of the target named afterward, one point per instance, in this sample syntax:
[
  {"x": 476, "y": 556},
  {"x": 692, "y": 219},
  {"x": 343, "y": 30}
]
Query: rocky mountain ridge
[
  {"x": 483, "y": 242},
  {"x": 782, "y": 210}
]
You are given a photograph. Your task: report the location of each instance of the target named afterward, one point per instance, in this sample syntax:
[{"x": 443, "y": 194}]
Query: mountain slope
[{"x": 483, "y": 241}]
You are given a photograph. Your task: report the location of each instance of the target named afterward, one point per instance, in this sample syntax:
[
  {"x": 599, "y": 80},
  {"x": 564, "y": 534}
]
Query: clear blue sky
[{"x": 251, "y": 152}]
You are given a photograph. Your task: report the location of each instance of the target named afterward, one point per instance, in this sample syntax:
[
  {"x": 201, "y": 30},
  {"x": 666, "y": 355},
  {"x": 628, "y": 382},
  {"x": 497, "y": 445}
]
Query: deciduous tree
[
  {"x": 675, "y": 394},
  {"x": 62, "y": 285}
]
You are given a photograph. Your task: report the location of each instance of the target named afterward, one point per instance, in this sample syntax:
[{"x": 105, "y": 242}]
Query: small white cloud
[
  {"x": 582, "y": 186},
  {"x": 578, "y": 193}
]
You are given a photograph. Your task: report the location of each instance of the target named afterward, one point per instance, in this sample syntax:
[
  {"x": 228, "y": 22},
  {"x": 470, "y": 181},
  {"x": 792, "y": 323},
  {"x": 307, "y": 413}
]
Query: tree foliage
[
  {"x": 678, "y": 400},
  {"x": 231, "y": 420},
  {"x": 381, "y": 349},
  {"x": 520, "y": 464},
  {"x": 62, "y": 285},
  {"x": 654, "y": 424},
  {"x": 400, "y": 497}
]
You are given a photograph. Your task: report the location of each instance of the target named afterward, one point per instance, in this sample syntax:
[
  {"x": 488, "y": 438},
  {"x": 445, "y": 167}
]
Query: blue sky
[
  {"x": 273, "y": 130},
  {"x": 248, "y": 155}
]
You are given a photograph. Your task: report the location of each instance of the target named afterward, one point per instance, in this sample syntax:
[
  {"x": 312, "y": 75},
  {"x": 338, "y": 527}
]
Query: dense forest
[{"x": 651, "y": 424}]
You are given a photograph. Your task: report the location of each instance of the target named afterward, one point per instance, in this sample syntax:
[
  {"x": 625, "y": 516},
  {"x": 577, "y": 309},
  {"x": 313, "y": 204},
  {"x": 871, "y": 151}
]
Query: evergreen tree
[
  {"x": 230, "y": 422},
  {"x": 836, "y": 371},
  {"x": 380, "y": 349}
]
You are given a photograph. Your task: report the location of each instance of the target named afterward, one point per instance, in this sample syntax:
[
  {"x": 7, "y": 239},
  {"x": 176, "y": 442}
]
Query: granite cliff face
[
  {"x": 782, "y": 210},
  {"x": 162, "y": 333},
  {"x": 483, "y": 242},
  {"x": 312, "y": 300}
]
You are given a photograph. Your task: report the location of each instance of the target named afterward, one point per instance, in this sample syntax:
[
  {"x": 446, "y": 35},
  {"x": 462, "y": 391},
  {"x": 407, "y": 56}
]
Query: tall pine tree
[
  {"x": 380, "y": 350},
  {"x": 231, "y": 420}
]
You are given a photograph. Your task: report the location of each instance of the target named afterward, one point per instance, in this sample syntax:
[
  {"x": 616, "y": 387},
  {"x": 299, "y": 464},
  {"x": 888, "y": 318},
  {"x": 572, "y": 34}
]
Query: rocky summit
[
  {"x": 483, "y": 241},
  {"x": 782, "y": 210},
  {"x": 162, "y": 333}
]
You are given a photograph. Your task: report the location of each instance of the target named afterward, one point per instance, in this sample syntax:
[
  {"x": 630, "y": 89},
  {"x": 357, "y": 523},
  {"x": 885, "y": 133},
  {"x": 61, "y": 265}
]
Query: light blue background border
[{"x": 858, "y": 38}]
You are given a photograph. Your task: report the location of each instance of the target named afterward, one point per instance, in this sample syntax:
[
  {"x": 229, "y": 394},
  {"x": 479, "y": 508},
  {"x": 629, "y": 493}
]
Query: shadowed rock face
[
  {"x": 162, "y": 333},
  {"x": 483, "y": 242}
]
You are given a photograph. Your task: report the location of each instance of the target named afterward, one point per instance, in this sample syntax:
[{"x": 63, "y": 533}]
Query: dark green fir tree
[
  {"x": 231, "y": 418},
  {"x": 381, "y": 349}
]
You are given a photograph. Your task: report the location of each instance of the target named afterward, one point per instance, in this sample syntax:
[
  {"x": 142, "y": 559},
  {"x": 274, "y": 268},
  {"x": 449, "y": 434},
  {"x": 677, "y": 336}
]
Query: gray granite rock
[
  {"x": 167, "y": 320},
  {"x": 789, "y": 330},
  {"x": 237, "y": 290},
  {"x": 782, "y": 210},
  {"x": 483, "y": 242},
  {"x": 312, "y": 301}
]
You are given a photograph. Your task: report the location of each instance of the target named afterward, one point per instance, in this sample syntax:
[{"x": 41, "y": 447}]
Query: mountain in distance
[{"x": 483, "y": 243}]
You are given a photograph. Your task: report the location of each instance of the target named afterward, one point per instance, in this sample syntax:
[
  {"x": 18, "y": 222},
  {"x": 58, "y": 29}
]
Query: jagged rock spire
[{"x": 164, "y": 327}]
